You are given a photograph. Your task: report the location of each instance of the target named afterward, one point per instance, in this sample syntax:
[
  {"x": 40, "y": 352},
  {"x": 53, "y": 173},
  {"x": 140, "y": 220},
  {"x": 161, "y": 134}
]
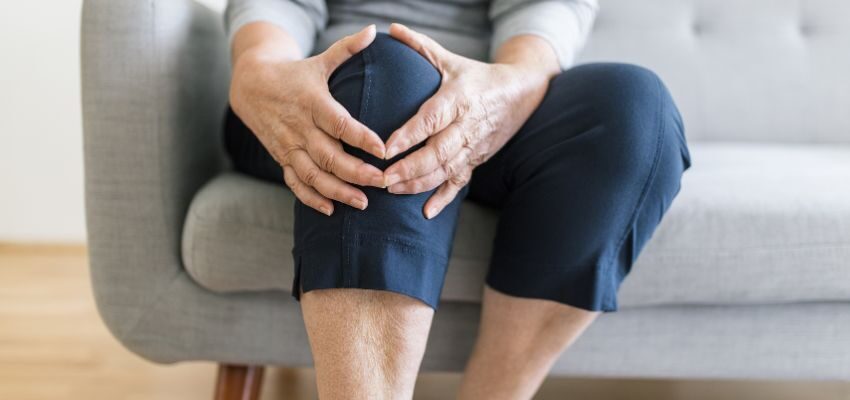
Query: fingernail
[
  {"x": 358, "y": 203},
  {"x": 393, "y": 188},
  {"x": 392, "y": 179},
  {"x": 325, "y": 210},
  {"x": 431, "y": 212},
  {"x": 378, "y": 150}
]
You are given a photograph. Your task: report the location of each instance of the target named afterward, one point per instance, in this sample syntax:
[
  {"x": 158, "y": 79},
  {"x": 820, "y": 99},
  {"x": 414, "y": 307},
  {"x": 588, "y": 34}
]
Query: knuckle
[
  {"x": 340, "y": 126},
  {"x": 460, "y": 108},
  {"x": 430, "y": 122},
  {"x": 467, "y": 139},
  {"x": 277, "y": 155},
  {"x": 476, "y": 158},
  {"x": 450, "y": 169},
  {"x": 327, "y": 160},
  {"x": 285, "y": 153},
  {"x": 459, "y": 180},
  {"x": 442, "y": 150},
  {"x": 408, "y": 168},
  {"x": 311, "y": 175}
]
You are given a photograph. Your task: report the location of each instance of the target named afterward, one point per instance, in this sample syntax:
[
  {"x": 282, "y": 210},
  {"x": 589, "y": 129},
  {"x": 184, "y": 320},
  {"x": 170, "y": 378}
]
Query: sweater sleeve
[
  {"x": 565, "y": 24},
  {"x": 302, "y": 19}
]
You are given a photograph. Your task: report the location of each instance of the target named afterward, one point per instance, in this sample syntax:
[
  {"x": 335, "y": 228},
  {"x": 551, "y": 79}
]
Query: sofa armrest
[{"x": 155, "y": 75}]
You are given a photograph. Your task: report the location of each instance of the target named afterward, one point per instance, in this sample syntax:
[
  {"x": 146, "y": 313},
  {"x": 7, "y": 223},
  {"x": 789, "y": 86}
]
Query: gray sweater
[{"x": 473, "y": 28}]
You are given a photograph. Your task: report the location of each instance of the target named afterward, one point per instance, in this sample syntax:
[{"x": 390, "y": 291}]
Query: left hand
[{"x": 477, "y": 109}]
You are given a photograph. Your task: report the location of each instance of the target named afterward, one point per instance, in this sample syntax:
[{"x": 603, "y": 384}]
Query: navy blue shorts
[{"x": 580, "y": 188}]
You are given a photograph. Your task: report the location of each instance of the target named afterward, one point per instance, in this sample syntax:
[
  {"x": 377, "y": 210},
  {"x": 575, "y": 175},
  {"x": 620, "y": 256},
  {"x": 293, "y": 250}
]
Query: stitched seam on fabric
[
  {"x": 297, "y": 278},
  {"x": 367, "y": 86},
  {"x": 419, "y": 248},
  {"x": 397, "y": 238},
  {"x": 295, "y": 247},
  {"x": 346, "y": 218},
  {"x": 365, "y": 98},
  {"x": 403, "y": 246},
  {"x": 659, "y": 142},
  {"x": 347, "y": 247},
  {"x": 524, "y": 260}
]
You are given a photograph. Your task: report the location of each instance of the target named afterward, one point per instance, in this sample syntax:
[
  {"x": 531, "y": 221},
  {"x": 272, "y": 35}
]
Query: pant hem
[{"x": 371, "y": 262}]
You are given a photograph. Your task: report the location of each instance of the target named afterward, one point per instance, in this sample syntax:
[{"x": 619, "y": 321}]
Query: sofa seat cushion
[{"x": 753, "y": 224}]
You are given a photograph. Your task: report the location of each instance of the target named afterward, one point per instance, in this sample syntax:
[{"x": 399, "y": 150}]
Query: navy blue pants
[{"x": 580, "y": 188}]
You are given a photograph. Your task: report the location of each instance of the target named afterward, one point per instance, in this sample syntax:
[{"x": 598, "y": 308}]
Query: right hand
[{"x": 288, "y": 106}]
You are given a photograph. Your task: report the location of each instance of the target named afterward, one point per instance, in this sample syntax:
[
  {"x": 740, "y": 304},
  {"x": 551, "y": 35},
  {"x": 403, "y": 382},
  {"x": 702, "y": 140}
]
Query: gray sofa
[{"x": 747, "y": 277}]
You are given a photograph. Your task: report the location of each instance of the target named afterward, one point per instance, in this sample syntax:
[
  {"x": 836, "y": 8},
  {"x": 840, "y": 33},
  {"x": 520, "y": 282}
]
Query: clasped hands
[{"x": 476, "y": 110}]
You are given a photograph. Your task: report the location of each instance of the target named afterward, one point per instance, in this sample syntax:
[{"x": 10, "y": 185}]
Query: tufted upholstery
[{"x": 755, "y": 70}]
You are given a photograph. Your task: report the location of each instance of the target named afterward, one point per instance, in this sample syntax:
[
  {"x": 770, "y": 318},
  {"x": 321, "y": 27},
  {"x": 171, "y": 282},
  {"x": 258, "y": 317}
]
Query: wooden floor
[{"x": 53, "y": 346}]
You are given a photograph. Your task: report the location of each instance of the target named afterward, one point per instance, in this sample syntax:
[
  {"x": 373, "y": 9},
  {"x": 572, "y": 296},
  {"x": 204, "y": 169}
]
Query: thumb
[
  {"x": 346, "y": 47},
  {"x": 424, "y": 45}
]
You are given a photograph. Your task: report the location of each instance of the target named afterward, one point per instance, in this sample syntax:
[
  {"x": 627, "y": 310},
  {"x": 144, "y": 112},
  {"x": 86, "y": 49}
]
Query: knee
[
  {"x": 639, "y": 117},
  {"x": 385, "y": 84}
]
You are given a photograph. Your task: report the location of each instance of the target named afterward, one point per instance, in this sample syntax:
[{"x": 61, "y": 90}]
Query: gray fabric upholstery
[
  {"x": 154, "y": 82},
  {"x": 754, "y": 224},
  {"x": 154, "y": 75},
  {"x": 753, "y": 70}
]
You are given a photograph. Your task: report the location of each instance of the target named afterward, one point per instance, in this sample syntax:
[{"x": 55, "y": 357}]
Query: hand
[
  {"x": 477, "y": 109},
  {"x": 288, "y": 105}
]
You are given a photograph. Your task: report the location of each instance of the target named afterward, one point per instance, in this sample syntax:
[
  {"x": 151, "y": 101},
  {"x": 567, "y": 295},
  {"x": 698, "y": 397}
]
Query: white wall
[{"x": 41, "y": 167}]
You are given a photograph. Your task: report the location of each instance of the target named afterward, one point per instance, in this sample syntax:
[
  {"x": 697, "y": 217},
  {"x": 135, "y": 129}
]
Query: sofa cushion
[{"x": 753, "y": 224}]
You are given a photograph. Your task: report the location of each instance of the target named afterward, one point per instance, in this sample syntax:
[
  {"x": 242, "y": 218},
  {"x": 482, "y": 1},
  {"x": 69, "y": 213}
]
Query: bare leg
[
  {"x": 365, "y": 343},
  {"x": 518, "y": 341}
]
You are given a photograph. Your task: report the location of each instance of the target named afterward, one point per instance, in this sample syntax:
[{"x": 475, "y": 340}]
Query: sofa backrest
[{"x": 740, "y": 70}]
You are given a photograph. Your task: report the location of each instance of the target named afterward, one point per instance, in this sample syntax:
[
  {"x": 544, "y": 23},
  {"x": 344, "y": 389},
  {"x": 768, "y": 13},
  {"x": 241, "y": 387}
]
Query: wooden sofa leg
[{"x": 238, "y": 382}]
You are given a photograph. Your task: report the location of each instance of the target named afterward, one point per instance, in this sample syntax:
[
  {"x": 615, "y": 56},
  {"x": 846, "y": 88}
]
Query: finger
[
  {"x": 442, "y": 197},
  {"x": 458, "y": 168},
  {"x": 326, "y": 184},
  {"x": 458, "y": 173},
  {"x": 330, "y": 156},
  {"x": 346, "y": 47},
  {"x": 335, "y": 120},
  {"x": 306, "y": 194},
  {"x": 433, "y": 116},
  {"x": 423, "y": 44},
  {"x": 420, "y": 184},
  {"x": 436, "y": 153}
]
